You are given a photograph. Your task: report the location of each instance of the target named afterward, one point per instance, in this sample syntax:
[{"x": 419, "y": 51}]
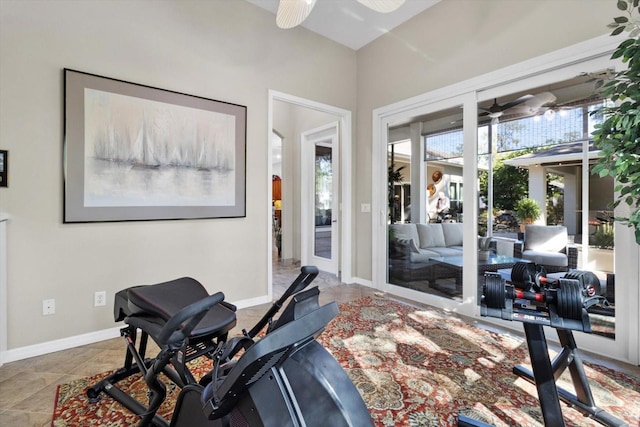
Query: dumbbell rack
[{"x": 546, "y": 371}]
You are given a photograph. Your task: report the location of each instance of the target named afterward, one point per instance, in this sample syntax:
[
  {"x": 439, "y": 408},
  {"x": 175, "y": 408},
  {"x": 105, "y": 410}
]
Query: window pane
[
  {"x": 323, "y": 201},
  {"x": 428, "y": 256}
]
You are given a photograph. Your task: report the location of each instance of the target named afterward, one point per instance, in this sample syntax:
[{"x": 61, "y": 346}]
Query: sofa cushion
[
  {"x": 547, "y": 238},
  {"x": 431, "y": 235},
  {"x": 447, "y": 251},
  {"x": 452, "y": 233},
  {"x": 555, "y": 259},
  {"x": 405, "y": 232},
  {"x": 424, "y": 255}
]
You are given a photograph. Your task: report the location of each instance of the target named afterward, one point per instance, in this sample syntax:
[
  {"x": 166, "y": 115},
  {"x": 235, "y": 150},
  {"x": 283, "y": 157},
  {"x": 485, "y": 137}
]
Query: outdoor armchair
[{"x": 547, "y": 245}]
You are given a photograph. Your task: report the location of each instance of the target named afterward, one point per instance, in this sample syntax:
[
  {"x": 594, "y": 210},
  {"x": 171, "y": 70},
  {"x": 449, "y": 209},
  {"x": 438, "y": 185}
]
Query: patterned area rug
[{"x": 414, "y": 367}]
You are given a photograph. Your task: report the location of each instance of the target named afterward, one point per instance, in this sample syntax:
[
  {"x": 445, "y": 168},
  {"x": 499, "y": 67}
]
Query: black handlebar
[
  {"x": 307, "y": 274},
  {"x": 182, "y": 323}
]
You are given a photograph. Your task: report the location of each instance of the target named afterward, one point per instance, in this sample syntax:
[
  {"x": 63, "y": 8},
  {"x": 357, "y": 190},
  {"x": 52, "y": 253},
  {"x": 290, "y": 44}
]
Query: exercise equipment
[
  {"x": 562, "y": 304},
  {"x": 284, "y": 378},
  {"x": 147, "y": 310}
]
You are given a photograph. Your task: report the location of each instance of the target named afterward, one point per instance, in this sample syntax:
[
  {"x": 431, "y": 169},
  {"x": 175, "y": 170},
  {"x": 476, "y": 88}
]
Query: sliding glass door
[
  {"x": 527, "y": 137},
  {"x": 425, "y": 205}
]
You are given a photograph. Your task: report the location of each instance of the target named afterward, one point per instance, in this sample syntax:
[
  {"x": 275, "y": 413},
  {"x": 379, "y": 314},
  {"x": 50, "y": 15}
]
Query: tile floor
[{"x": 28, "y": 387}]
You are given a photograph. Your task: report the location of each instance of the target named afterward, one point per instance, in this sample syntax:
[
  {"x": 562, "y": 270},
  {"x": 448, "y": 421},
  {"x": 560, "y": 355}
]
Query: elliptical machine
[{"x": 285, "y": 378}]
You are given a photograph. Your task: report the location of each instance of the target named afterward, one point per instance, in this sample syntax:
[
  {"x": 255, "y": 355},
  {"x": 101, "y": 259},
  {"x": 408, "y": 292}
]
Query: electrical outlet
[
  {"x": 48, "y": 307},
  {"x": 100, "y": 299}
]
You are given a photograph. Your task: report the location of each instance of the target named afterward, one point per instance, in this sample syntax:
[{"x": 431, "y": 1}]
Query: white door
[{"x": 320, "y": 198}]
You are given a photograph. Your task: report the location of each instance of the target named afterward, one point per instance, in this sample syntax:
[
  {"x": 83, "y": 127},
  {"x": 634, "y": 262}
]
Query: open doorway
[
  {"x": 290, "y": 117},
  {"x": 276, "y": 194}
]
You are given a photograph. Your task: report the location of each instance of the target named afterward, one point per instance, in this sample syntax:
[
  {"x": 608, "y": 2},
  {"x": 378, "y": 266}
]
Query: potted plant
[
  {"x": 527, "y": 211},
  {"x": 393, "y": 175},
  {"x": 484, "y": 248},
  {"x": 618, "y": 137}
]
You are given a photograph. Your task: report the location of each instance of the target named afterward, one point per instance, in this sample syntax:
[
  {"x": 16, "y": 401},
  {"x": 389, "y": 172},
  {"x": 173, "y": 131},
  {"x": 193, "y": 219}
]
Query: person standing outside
[{"x": 442, "y": 206}]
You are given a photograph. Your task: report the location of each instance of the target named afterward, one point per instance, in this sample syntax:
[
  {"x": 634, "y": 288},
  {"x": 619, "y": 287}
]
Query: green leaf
[
  {"x": 621, "y": 19},
  {"x": 625, "y": 44},
  {"x": 617, "y": 53},
  {"x": 617, "y": 31},
  {"x": 622, "y": 5}
]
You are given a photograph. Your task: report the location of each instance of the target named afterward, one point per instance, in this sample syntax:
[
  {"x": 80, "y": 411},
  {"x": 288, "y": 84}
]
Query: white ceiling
[{"x": 349, "y": 22}]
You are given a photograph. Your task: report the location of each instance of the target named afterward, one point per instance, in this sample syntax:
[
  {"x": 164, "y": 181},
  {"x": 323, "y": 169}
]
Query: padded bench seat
[{"x": 149, "y": 307}]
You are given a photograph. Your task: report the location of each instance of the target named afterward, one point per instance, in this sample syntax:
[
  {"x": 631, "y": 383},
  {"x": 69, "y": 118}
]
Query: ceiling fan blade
[
  {"x": 293, "y": 12},
  {"x": 524, "y": 106},
  {"x": 540, "y": 100},
  {"x": 515, "y": 102},
  {"x": 383, "y": 6}
]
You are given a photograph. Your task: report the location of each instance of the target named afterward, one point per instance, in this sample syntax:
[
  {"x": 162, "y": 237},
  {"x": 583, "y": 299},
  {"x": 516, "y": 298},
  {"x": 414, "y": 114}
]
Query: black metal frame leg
[{"x": 543, "y": 373}]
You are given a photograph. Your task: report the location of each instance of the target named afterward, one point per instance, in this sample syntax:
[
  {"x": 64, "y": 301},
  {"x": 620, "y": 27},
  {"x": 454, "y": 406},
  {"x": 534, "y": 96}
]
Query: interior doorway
[
  {"x": 291, "y": 116},
  {"x": 276, "y": 193}
]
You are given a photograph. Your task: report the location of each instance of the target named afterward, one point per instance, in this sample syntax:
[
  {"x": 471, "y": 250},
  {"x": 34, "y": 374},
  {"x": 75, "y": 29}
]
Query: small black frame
[{"x": 4, "y": 168}]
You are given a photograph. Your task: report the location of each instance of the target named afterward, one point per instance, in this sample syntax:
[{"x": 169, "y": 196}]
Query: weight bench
[
  {"x": 186, "y": 323},
  {"x": 148, "y": 309}
]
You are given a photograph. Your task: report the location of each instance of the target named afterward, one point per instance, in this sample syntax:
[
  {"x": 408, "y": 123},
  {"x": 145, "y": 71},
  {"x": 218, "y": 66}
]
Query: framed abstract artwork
[{"x": 135, "y": 153}]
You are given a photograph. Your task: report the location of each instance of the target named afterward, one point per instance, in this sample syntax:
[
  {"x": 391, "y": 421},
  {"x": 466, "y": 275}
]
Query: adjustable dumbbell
[
  {"x": 565, "y": 294},
  {"x": 528, "y": 276}
]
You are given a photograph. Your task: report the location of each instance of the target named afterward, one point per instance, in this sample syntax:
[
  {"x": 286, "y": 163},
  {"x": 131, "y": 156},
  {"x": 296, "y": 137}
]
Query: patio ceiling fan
[
  {"x": 548, "y": 110},
  {"x": 526, "y": 105},
  {"x": 292, "y": 13}
]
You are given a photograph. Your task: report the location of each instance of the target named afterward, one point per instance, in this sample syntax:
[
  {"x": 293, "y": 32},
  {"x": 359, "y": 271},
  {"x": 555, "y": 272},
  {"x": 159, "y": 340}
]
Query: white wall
[
  {"x": 453, "y": 41},
  {"x": 225, "y": 50}
]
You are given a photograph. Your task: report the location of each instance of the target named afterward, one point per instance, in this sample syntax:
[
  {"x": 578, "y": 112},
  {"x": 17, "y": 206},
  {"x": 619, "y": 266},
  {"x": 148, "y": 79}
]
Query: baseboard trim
[
  {"x": 90, "y": 338},
  {"x": 252, "y": 302},
  {"x": 58, "y": 345},
  {"x": 363, "y": 282}
]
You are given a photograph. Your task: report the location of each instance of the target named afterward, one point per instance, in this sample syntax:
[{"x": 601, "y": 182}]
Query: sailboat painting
[{"x": 146, "y": 153}]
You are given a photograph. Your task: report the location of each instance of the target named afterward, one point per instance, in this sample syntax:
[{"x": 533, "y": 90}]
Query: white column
[
  {"x": 538, "y": 190},
  {"x": 570, "y": 202},
  {"x": 418, "y": 176}
]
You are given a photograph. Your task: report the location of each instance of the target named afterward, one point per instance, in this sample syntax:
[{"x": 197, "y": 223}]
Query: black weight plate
[
  {"x": 589, "y": 281},
  {"x": 522, "y": 274},
  {"x": 494, "y": 292},
  {"x": 569, "y": 296}
]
